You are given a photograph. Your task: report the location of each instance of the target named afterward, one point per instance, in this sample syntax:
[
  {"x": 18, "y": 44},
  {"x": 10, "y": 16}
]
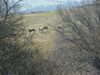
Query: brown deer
[
  {"x": 31, "y": 30},
  {"x": 41, "y": 29}
]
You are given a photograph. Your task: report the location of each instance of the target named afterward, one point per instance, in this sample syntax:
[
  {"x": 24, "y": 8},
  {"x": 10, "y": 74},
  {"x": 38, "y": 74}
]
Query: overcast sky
[{"x": 28, "y": 4}]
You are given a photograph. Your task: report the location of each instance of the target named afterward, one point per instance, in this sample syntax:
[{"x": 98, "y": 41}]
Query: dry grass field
[{"x": 46, "y": 39}]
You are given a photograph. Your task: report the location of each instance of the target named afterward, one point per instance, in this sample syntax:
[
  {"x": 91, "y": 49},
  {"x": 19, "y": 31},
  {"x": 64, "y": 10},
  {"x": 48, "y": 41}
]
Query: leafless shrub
[{"x": 79, "y": 49}]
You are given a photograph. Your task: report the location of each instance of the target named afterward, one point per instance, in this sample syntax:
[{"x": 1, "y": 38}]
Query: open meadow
[{"x": 46, "y": 39}]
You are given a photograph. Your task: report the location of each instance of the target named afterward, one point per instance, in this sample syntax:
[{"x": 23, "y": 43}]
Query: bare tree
[
  {"x": 14, "y": 57},
  {"x": 79, "y": 41}
]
